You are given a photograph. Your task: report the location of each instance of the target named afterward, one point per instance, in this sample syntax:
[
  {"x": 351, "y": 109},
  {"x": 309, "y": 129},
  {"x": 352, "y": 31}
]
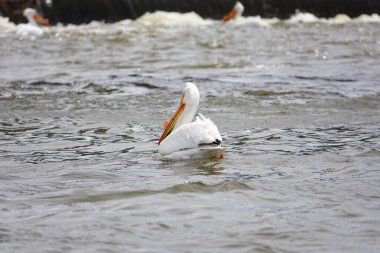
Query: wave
[
  {"x": 80, "y": 196},
  {"x": 6, "y": 25},
  {"x": 303, "y": 17},
  {"x": 298, "y": 141},
  {"x": 173, "y": 19},
  {"x": 192, "y": 19}
]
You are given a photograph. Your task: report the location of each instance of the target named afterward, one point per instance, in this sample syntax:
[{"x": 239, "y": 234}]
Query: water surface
[{"x": 296, "y": 101}]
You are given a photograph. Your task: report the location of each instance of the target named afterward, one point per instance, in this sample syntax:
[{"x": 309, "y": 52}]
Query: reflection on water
[{"x": 296, "y": 101}]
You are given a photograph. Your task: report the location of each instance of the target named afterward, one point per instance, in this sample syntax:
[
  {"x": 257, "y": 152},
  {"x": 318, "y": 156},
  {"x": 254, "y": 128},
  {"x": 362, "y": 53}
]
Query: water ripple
[
  {"x": 190, "y": 187},
  {"x": 303, "y": 141}
]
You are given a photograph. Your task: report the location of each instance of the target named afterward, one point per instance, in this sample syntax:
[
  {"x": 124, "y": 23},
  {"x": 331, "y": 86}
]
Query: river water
[{"x": 297, "y": 103}]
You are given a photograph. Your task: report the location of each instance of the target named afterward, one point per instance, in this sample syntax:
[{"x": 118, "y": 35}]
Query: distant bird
[
  {"x": 33, "y": 28},
  {"x": 184, "y": 138},
  {"x": 235, "y": 13},
  {"x": 34, "y": 18}
]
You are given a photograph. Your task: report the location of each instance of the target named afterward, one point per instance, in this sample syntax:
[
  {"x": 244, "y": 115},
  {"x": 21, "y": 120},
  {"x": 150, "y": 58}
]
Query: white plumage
[
  {"x": 31, "y": 30},
  {"x": 191, "y": 135},
  {"x": 183, "y": 139}
]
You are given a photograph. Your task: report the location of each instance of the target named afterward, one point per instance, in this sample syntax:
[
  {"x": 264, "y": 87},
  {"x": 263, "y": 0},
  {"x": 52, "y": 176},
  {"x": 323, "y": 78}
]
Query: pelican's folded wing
[{"x": 201, "y": 131}]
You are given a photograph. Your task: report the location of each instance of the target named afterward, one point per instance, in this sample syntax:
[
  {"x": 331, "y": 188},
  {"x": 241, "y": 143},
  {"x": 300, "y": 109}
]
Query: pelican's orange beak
[
  {"x": 173, "y": 121},
  {"x": 40, "y": 20},
  {"x": 230, "y": 15}
]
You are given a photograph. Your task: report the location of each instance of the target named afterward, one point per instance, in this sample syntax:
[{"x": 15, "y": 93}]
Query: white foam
[
  {"x": 303, "y": 17},
  {"x": 173, "y": 19},
  {"x": 255, "y": 20},
  {"x": 94, "y": 27},
  {"x": 5, "y": 25},
  {"x": 374, "y": 18},
  {"x": 308, "y": 18},
  {"x": 339, "y": 19}
]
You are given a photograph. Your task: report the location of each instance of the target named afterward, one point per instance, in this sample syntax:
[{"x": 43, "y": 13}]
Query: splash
[
  {"x": 344, "y": 19},
  {"x": 301, "y": 17},
  {"x": 308, "y": 18},
  {"x": 374, "y": 18},
  {"x": 173, "y": 19},
  {"x": 255, "y": 21},
  {"x": 5, "y": 25}
]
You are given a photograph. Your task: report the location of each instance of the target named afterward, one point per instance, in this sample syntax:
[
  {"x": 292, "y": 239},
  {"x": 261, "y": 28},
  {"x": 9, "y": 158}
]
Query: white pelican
[
  {"x": 235, "y": 13},
  {"x": 184, "y": 138},
  {"x": 32, "y": 29}
]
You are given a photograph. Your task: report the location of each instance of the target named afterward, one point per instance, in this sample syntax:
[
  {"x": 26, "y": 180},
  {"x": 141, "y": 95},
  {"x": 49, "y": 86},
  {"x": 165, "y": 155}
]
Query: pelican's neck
[
  {"x": 188, "y": 114},
  {"x": 30, "y": 19},
  {"x": 239, "y": 9},
  {"x": 190, "y": 99}
]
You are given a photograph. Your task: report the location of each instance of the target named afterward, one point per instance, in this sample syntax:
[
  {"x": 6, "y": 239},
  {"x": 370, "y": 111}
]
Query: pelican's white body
[
  {"x": 31, "y": 30},
  {"x": 190, "y": 136},
  {"x": 192, "y": 139}
]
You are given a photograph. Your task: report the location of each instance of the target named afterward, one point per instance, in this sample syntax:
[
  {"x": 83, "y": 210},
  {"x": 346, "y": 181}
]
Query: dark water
[{"x": 297, "y": 103}]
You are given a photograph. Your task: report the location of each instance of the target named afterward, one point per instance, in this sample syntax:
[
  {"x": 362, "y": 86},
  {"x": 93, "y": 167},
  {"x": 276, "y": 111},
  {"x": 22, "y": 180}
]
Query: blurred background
[{"x": 84, "y": 11}]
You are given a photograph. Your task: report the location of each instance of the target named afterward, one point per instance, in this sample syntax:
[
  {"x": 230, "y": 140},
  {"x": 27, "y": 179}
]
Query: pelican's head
[
  {"x": 190, "y": 95},
  {"x": 29, "y": 12},
  {"x": 235, "y": 13},
  {"x": 186, "y": 110},
  {"x": 34, "y": 18}
]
